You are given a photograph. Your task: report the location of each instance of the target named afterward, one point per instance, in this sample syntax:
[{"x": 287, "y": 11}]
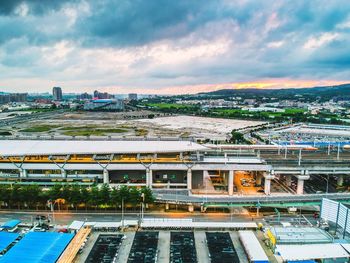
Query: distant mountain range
[{"x": 324, "y": 91}]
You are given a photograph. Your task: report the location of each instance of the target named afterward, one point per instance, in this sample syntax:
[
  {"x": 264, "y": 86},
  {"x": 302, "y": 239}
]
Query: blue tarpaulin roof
[
  {"x": 6, "y": 239},
  {"x": 35, "y": 247},
  {"x": 11, "y": 224}
]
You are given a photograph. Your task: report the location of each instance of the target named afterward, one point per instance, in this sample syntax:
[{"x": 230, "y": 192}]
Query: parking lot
[
  {"x": 182, "y": 247},
  {"x": 221, "y": 249},
  {"x": 164, "y": 247},
  {"x": 144, "y": 247},
  {"x": 105, "y": 249}
]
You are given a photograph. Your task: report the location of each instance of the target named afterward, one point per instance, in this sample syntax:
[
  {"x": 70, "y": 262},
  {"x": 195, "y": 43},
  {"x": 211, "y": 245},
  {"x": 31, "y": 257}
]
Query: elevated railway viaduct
[{"x": 198, "y": 170}]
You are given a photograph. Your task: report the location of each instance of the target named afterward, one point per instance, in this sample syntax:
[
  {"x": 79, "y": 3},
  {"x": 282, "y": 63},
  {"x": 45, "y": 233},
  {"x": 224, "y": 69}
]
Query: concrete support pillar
[
  {"x": 258, "y": 180},
  {"x": 23, "y": 173},
  {"x": 64, "y": 173},
  {"x": 149, "y": 178},
  {"x": 288, "y": 180},
  {"x": 301, "y": 178},
  {"x": 300, "y": 186},
  {"x": 105, "y": 176},
  {"x": 190, "y": 208},
  {"x": 340, "y": 180},
  {"x": 189, "y": 179},
  {"x": 205, "y": 177},
  {"x": 231, "y": 175},
  {"x": 267, "y": 186}
]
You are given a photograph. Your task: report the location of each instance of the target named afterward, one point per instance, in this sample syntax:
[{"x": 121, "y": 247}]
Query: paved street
[{"x": 64, "y": 218}]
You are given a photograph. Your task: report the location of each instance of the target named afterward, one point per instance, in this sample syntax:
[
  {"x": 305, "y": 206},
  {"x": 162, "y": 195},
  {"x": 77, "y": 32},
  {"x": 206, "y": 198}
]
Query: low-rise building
[{"x": 104, "y": 105}]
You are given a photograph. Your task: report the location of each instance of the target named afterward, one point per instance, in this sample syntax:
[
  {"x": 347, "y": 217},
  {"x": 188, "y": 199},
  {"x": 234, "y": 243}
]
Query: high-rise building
[
  {"x": 57, "y": 93},
  {"x": 13, "y": 97},
  {"x": 102, "y": 95},
  {"x": 84, "y": 96},
  {"x": 132, "y": 96}
]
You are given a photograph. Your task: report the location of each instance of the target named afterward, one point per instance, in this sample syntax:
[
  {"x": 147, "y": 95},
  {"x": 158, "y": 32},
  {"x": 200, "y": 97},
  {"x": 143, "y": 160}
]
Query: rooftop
[
  {"x": 54, "y": 147},
  {"x": 311, "y": 251},
  {"x": 38, "y": 247},
  {"x": 300, "y": 235}
]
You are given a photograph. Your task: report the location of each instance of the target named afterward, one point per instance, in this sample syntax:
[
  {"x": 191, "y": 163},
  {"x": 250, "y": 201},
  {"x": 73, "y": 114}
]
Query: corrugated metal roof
[
  {"x": 54, "y": 147},
  {"x": 11, "y": 224},
  {"x": 6, "y": 239},
  {"x": 37, "y": 247}
]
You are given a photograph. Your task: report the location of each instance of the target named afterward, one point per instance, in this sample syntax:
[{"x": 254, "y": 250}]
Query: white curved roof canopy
[{"x": 55, "y": 147}]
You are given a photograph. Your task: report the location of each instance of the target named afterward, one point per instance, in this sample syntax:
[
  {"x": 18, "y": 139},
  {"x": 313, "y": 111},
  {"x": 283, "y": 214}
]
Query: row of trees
[{"x": 73, "y": 196}]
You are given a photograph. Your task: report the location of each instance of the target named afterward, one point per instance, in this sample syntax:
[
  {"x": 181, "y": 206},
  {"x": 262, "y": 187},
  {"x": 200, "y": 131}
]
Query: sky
[{"x": 172, "y": 47}]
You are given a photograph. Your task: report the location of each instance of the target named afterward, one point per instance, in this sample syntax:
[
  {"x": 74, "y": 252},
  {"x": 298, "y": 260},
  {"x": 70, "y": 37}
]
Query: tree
[
  {"x": 54, "y": 192},
  {"x": 237, "y": 137},
  {"x": 134, "y": 196},
  {"x": 115, "y": 197},
  {"x": 123, "y": 194},
  {"x": 104, "y": 195},
  {"x": 75, "y": 196},
  {"x": 5, "y": 194},
  {"x": 149, "y": 198},
  {"x": 85, "y": 196},
  {"x": 31, "y": 194},
  {"x": 93, "y": 197},
  {"x": 16, "y": 195}
]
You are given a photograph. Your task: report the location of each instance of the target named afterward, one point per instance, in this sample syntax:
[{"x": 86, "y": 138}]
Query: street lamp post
[
  {"x": 142, "y": 206},
  {"x": 122, "y": 212}
]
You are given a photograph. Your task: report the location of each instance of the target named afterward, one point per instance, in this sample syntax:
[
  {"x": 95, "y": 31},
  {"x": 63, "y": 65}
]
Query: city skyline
[{"x": 171, "y": 47}]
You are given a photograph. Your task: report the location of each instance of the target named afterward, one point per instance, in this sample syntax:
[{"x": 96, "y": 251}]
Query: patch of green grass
[
  {"x": 92, "y": 132},
  {"x": 40, "y": 128},
  {"x": 169, "y": 106},
  {"x": 293, "y": 111},
  {"x": 141, "y": 132},
  {"x": 74, "y": 128}
]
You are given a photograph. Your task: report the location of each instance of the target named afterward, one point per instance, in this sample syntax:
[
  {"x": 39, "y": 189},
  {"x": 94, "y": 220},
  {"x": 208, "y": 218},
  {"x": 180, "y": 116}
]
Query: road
[
  {"x": 64, "y": 218},
  {"x": 34, "y": 116}
]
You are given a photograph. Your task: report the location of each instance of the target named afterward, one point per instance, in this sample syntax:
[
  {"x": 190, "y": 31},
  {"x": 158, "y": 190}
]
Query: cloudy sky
[{"x": 168, "y": 46}]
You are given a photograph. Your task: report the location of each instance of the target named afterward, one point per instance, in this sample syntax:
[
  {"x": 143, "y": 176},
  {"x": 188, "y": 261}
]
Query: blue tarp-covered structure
[
  {"x": 6, "y": 239},
  {"x": 35, "y": 247},
  {"x": 11, "y": 224}
]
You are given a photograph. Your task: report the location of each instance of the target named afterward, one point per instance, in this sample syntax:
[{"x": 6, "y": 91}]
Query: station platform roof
[
  {"x": 37, "y": 247},
  {"x": 6, "y": 239},
  {"x": 66, "y": 147}
]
